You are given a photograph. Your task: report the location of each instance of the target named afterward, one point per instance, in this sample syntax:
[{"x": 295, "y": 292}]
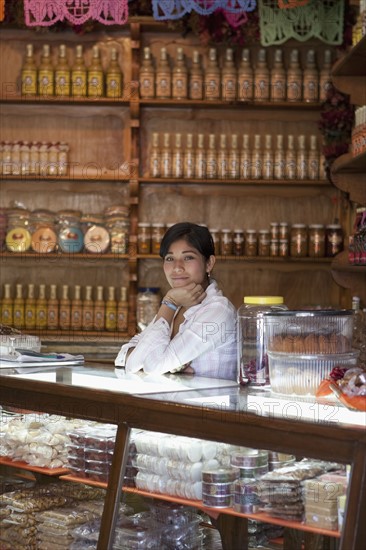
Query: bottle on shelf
[
  {"x": 222, "y": 158},
  {"x": 52, "y": 165},
  {"x": 196, "y": 77},
  {"x": 111, "y": 310},
  {"x": 62, "y": 73},
  {"x": 52, "y": 309},
  {"x": 245, "y": 77},
  {"x": 278, "y": 78},
  {"x": 34, "y": 158},
  {"x": 29, "y": 73},
  {"x": 30, "y": 309},
  {"x": 63, "y": 158},
  {"x": 95, "y": 75},
  {"x": 76, "y": 309},
  {"x": 261, "y": 77},
  {"x": 43, "y": 158},
  {"x": 177, "y": 157},
  {"x": 155, "y": 156},
  {"x": 15, "y": 158},
  {"x": 245, "y": 159},
  {"x": 267, "y": 170},
  {"x": 122, "y": 311},
  {"x": 325, "y": 79},
  {"x": 41, "y": 308},
  {"x": 18, "y": 307},
  {"x": 234, "y": 158},
  {"x": 147, "y": 75},
  {"x": 228, "y": 77},
  {"x": 166, "y": 157},
  {"x": 25, "y": 158},
  {"x": 211, "y": 158},
  {"x": 6, "y": 158},
  {"x": 200, "y": 161},
  {"x": 79, "y": 74},
  {"x": 7, "y": 306},
  {"x": 256, "y": 159},
  {"x": 180, "y": 77},
  {"x": 46, "y": 73},
  {"x": 279, "y": 164},
  {"x": 113, "y": 77},
  {"x": 212, "y": 76},
  {"x": 313, "y": 159},
  {"x": 310, "y": 78},
  {"x": 188, "y": 158},
  {"x": 99, "y": 310},
  {"x": 65, "y": 309},
  {"x": 87, "y": 309},
  {"x": 301, "y": 158},
  {"x": 294, "y": 77},
  {"x": 163, "y": 76},
  {"x": 290, "y": 157}
]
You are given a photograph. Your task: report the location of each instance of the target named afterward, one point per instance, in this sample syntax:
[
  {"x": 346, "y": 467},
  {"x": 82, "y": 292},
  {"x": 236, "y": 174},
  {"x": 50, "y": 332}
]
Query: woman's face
[{"x": 183, "y": 264}]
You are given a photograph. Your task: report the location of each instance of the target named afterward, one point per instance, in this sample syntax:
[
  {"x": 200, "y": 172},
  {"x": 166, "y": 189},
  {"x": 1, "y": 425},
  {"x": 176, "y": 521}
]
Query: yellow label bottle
[
  {"x": 111, "y": 310},
  {"x": 196, "y": 77},
  {"x": 147, "y": 76},
  {"x": 163, "y": 76},
  {"x": 41, "y": 308},
  {"x": 30, "y": 309},
  {"x": 65, "y": 309},
  {"x": 180, "y": 77},
  {"x": 114, "y": 79},
  {"x": 88, "y": 309},
  {"x": 52, "y": 309},
  {"x": 29, "y": 73},
  {"x": 76, "y": 309},
  {"x": 7, "y": 306},
  {"x": 154, "y": 157},
  {"x": 18, "y": 308},
  {"x": 99, "y": 310},
  {"x": 62, "y": 73},
  {"x": 228, "y": 77},
  {"x": 78, "y": 74},
  {"x": 122, "y": 311},
  {"x": 212, "y": 76},
  {"x": 95, "y": 75},
  {"x": 46, "y": 73}
]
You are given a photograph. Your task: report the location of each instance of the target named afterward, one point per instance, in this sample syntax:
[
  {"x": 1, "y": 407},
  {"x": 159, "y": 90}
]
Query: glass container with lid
[
  {"x": 148, "y": 303},
  {"x": 252, "y": 354}
]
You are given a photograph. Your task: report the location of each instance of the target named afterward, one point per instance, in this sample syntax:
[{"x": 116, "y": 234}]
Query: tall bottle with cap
[
  {"x": 245, "y": 159},
  {"x": 65, "y": 309},
  {"x": 278, "y": 78},
  {"x": 180, "y": 77},
  {"x": 155, "y": 156},
  {"x": 79, "y": 74},
  {"x": 256, "y": 160},
  {"x": 87, "y": 309},
  {"x": 212, "y": 76},
  {"x": 279, "y": 164},
  {"x": 200, "y": 160},
  {"x": 46, "y": 73},
  {"x": 245, "y": 77},
  {"x": 228, "y": 77},
  {"x": 18, "y": 307},
  {"x": 177, "y": 157},
  {"x": 76, "y": 309},
  {"x": 30, "y": 309},
  {"x": 211, "y": 157},
  {"x": 189, "y": 158},
  {"x": 196, "y": 77},
  {"x": 290, "y": 157},
  {"x": 310, "y": 78},
  {"x": 222, "y": 158},
  {"x": 41, "y": 308},
  {"x": 147, "y": 75},
  {"x": 166, "y": 157},
  {"x": 99, "y": 310},
  {"x": 29, "y": 73},
  {"x": 267, "y": 170},
  {"x": 53, "y": 309},
  {"x": 163, "y": 76},
  {"x": 113, "y": 77},
  {"x": 313, "y": 159},
  {"x": 111, "y": 310},
  {"x": 301, "y": 158},
  {"x": 7, "y": 306},
  {"x": 234, "y": 158},
  {"x": 325, "y": 79},
  {"x": 95, "y": 74},
  {"x": 122, "y": 311},
  {"x": 294, "y": 77},
  {"x": 261, "y": 77},
  {"x": 62, "y": 73}
]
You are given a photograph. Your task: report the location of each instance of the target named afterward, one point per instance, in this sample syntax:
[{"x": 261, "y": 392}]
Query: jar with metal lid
[
  {"x": 252, "y": 361},
  {"x": 283, "y": 248},
  {"x": 275, "y": 228},
  {"x": 119, "y": 233},
  {"x": 299, "y": 240},
  {"x": 148, "y": 303},
  {"x": 263, "y": 242},
  {"x": 251, "y": 242},
  {"x": 274, "y": 248},
  {"x": 157, "y": 233},
  {"x": 333, "y": 240},
  {"x": 70, "y": 234},
  {"x": 215, "y": 234},
  {"x": 316, "y": 241},
  {"x": 144, "y": 238},
  {"x": 238, "y": 242},
  {"x": 226, "y": 243},
  {"x": 283, "y": 230}
]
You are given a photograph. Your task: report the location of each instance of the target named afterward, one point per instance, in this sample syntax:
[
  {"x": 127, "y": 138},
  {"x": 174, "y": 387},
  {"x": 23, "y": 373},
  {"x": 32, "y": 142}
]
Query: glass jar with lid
[
  {"x": 70, "y": 234},
  {"x": 316, "y": 241},
  {"x": 333, "y": 239},
  {"x": 299, "y": 240},
  {"x": 252, "y": 363},
  {"x": 226, "y": 242},
  {"x": 157, "y": 233},
  {"x": 238, "y": 242},
  {"x": 148, "y": 303},
  {"x": 251, "y": 242},
  {"x": 263, "y": 242},
  {"x": 144, "y": 238}
]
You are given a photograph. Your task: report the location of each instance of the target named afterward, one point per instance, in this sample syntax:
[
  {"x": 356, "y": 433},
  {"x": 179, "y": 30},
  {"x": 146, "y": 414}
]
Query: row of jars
[
  {"x": 28, "y": 158},
  {"x": 359, "y": 131},
  {"x": 228, "y": 157},
  {"x": 181, "y": 78}
]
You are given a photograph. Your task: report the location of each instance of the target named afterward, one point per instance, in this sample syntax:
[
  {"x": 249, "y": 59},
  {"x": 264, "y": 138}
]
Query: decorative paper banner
[
  {"x": 321, "y": 19},
  {"x": 283, "y": 4},
  {"x": 45, "y": 13},
  {"x": 175, "y": 9}
]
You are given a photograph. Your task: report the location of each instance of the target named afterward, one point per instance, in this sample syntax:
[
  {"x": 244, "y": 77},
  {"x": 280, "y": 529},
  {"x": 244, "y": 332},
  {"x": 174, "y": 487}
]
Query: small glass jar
[
  {"x": 148, "y": 303},
  {"x": 238, "y": 242},
  {"x": 283, "y": 231},
  {"x": 263, "y": 242},
  {"x": 316, "y": 241},
  {"x": 274, "y": 230},
  {"x": 215, "y": 234},
  {"x": 274, "y": 248},
  {"x": 144, "y": 238},
  {"x": 226, "y": 242},
  {"x": 299, "y": 241},
  {"x": 251, "y": 242},
  {"x": 333, "y": 240},
  {"x": 157, "y": 233},
  {"x": 283, "y": 248}
]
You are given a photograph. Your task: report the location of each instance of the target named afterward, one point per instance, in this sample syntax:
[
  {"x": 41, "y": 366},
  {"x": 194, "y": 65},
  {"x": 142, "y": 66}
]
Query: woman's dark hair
[{"x": 196, "y": 235}]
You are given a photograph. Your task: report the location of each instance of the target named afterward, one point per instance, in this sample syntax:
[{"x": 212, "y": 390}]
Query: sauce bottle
[
  {"x": 163, "y": 76},
  {"x": 122, "y": 311},
  {"x": 211, "y": 160},
  {"x": 41, "y": 308},
  {"x": 99, "y": 310},
  {"x": 95, "y": 75},
  {"x": 188, "y": 158},
  {"x": 147, "y": 76},
  {"x": 76, "y": 309},
  {"x": 113, "y": 77},
  {"x": 301, "y": 159},
  {"x": 256, "y": 160},
  {"x": 196, "y": 77},
  {"x": 234, "y": 158},
  {"x": 65, "y": 309},
  {"x": 325, "y": 80},
  {"x": 166, "y": 157},
  {"x": 261, "y": 77},
  {"x": 313, "y": 159},
  {"x": 228, "y": 77},
  {"x": 180, "y": 77},
  {"x": 154, "y": 159},
  {"x": 267, "y": 172},
  {"x": 62, "y": 73},
  {"x": 279, "y": 167},
  {"x": 30, "y": 309},
  {"x": 245, "y": 77},
  {"x": 29, "y": 73},
  {"x": 290, "y": 157},
  {"x": 294, "y": 77},
  {"x": 245, "y": 159},
  {"x": 200, "y": 162},
  {"x": 45, "y": 73},
  {"x": 278, "y": 78},
  {"x": 177, "y": 157},
  {"x": 7, "y": 306},
  {"x": 79, "y": 74},
  {"x": 222, "y": 158},
  {"x": 87, "y": 309},
  {"x": 18, "y": 308},
  {"x": 111, "y": 310},
  {"x": 52, "y": 309},
  {"x": 212, "y": 76},
  {"x": 310, "y": 78}
]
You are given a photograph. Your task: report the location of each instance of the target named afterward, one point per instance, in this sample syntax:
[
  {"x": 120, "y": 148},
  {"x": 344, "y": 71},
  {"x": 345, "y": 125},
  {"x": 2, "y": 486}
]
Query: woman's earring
[{"x": 208, "y": 275}]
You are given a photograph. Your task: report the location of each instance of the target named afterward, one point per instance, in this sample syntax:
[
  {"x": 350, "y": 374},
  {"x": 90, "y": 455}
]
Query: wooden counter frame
[{"x": 314, "y": 440}]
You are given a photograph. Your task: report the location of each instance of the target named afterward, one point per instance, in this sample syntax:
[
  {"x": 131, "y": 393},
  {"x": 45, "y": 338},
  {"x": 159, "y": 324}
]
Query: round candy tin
[
  {"x": 217, "y": 489},
  {"x": 250, "y": 459},
  {"x": 71, "y": 239},
  {"x": 221, "y": 475},
  {"x": 44, "y": 240},
  {"x": 96, "y": 239},
  {"x": 217, "y": 501},
  {"x": 18, "y": 239}
]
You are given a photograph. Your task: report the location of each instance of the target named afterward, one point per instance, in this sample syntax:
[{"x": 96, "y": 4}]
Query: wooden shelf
[
  {"x": 113, "y": 176},
  {"x": 86, "y": 256},
  {"x": 349, "y": 175},
  {"x": 228, "y": 181},
  {"x": 352, "y": 277},
  {"x": 349, "y": 164},
  {"x": 353, "y": 62},
  {"x": 254, "y": 259},
  {"x": 223, "y": 104},
  {"x": 5, "y": 461},
  {"x": 88, "y": 335},
  {"x": 52, "y": 100}
]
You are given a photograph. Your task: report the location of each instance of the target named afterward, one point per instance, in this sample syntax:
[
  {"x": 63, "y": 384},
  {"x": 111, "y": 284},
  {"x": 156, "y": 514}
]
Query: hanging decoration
[
  {"x": 317, "y": 19},
  {"x": 175, "y": 9},
  {"x": 45, "y": 13},
  {"x": 283, "y": 4}
]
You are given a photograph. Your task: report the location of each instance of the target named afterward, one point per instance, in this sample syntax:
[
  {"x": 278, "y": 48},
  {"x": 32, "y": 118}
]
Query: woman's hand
[{"x": 186, "y": 296}]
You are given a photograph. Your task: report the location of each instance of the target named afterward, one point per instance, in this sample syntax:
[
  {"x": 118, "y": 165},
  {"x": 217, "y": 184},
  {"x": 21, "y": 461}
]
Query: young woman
[{"x": 194, "y": 329}]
